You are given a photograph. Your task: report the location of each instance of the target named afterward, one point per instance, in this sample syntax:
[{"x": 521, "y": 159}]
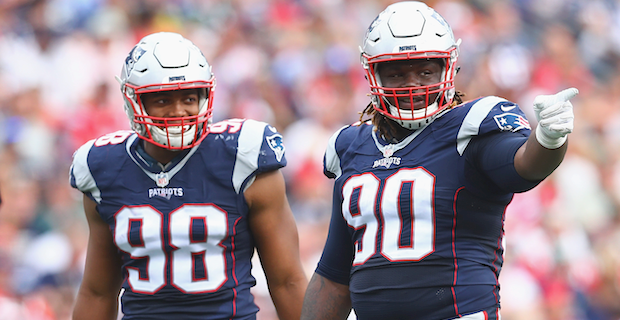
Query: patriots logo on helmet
[
  {"x": 176, "y": 78},
  {"x": 511, "y": 122},
  {"x": 373, "y": 24},
  {"x": 133, "y": 57},
  {"x": 440, "y": 19},
  {"x": 407, "y": 48},
  {"x": 277, "y": 145}
]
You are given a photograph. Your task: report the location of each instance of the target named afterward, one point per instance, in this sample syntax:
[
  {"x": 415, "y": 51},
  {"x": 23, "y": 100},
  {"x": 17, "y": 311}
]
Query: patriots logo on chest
[
  {"x": 387, "y": 162},
  {"x": 165, "y": 192}
]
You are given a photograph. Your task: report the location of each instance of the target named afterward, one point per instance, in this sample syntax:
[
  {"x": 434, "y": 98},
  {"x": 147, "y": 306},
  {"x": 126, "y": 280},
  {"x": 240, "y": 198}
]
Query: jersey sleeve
[
  {"x": 331, "y": 159},
  {"x": 80, "y": 176},
  {"x": 337, "y": 257},
  {"x": 92, "y": 161},
  {"x": 490, "y": 165},
  {"x": 491, "y": 115},
  {"x": 490, "y": 135},
  {"x": 260, "y": 148}
]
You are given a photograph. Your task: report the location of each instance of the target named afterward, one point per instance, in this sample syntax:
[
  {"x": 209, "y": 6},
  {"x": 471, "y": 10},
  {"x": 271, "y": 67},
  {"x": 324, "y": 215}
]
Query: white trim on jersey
[
  {"x": 332, "y": 161},
  {"x": 152, "y": 175},
  {"x": 471, "y": 124},
  {"x": 83, "y": 178},
  {"x": 248, "y": 149},
  {"x": 395, "y": 147}
]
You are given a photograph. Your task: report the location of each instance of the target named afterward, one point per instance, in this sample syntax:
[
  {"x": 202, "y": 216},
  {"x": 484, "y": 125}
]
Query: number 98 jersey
[
  {"x": 181, "y": 229},
  {"x": 426, "y": 212}
]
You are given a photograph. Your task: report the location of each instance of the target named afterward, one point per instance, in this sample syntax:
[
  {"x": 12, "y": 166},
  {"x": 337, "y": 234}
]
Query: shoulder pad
[
  {"x": 79, "y": 173},
  {"x": 260, "y": 148},
  {"x": 491, "y": 114},
  {"x": 331, "y": 160},
  {"x": 95, "y": 155}
]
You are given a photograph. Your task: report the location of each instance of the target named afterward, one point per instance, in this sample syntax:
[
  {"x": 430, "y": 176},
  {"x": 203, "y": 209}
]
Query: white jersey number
[
  {"x": 146, "y": 227},
  {"x": 360, "y": 196}
]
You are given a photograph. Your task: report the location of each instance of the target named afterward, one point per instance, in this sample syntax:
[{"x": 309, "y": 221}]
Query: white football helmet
[
  {"x": 403, "y": 31},
  {"x": 161, "y": 62}
]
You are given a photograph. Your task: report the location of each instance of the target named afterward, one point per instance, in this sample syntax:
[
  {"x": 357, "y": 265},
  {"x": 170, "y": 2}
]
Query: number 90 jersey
[
  {"x": 182, "y": 230},
  {"x": 426, "y": 212}
]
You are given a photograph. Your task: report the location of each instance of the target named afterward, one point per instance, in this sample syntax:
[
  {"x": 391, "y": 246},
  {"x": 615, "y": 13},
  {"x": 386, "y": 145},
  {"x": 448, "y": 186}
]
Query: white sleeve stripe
[
  {"x": 248, "y": 149},
  {"x": 332, "y": 161},
  {"x": 471, "y": 124},
  {"x": 83, "y": 178}
]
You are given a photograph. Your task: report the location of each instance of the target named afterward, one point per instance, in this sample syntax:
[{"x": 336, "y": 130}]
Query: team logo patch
[
  {"x": 277, "y": 145},
  {"x": 511, "y": 122}
]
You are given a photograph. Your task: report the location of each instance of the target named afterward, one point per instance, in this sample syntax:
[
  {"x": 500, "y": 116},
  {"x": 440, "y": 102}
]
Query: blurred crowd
[{"x": 295, "y": 64}]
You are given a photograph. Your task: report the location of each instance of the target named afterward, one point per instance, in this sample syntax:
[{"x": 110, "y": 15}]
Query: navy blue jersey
[
  {"x": 417, "y": 226},
  {"x": 182, "y": 230}
]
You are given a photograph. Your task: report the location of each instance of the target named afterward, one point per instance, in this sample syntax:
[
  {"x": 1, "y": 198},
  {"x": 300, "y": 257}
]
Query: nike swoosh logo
[{"x": 508, "y": 108}]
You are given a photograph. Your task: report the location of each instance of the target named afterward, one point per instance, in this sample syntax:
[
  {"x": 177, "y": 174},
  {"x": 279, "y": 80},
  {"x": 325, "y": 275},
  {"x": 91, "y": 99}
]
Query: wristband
[{"x": 548, "y": 142}]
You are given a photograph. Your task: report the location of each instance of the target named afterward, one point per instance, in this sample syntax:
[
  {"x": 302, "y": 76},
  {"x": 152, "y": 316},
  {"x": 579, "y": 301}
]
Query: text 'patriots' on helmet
[
  {"x": 162, "y": 62},
  {"x": 410, "y": 31}
]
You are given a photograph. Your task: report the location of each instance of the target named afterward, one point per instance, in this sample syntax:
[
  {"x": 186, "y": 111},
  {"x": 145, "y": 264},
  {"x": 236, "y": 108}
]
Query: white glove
[{"x": 555, "y": 118}]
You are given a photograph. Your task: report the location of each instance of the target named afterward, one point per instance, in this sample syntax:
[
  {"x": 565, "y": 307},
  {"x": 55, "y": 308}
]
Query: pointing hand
[{"x": 555, "y": 117}]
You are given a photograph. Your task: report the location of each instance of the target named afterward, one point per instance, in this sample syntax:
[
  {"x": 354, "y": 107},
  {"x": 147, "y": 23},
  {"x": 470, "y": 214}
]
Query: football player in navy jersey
[
  {"x": 177, "y": 206},
  {"x": 421, "y": 187}
]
